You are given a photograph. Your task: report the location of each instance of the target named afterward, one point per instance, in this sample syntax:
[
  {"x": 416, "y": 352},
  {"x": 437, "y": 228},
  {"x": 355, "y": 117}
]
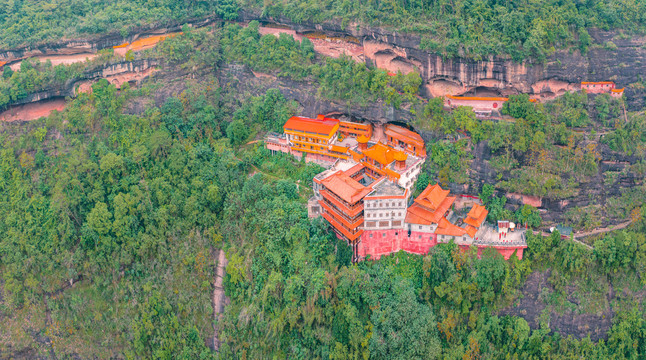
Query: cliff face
[
  {"x": 563, "y": 71},
  {"x": 116, "y": 73},
  {"x": 91, "y": 44},
  {"x": 624, "y": 62}
]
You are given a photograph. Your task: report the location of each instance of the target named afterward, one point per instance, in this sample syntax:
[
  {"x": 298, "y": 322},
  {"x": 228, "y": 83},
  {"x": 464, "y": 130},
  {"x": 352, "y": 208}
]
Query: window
[
  {"x": 370, "y": 234},
  {"x": 420, "y": 227},
  {"x": 420, "y": 237},
  {"x": 383, "y": 235}
]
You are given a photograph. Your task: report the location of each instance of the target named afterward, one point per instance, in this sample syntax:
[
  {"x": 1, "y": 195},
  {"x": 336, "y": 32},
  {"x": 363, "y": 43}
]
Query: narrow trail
[
  {"x": 590, "y": 233},
  {"x": 218, "y": 297},
  {"x": 604, "y": 230}
]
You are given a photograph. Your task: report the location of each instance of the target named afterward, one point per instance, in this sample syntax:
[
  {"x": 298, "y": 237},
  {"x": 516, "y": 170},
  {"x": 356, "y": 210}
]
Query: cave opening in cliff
[
  {"x": 484, "y": 91},
  {"x": 331, "y": 36},
  {"x": 33, "y": 110},
  {"x": 402, "y": 124},
  {"x": 274, "y": 25}
]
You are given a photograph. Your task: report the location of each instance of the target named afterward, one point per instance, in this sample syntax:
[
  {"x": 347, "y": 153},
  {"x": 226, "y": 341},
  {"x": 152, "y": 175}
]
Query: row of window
[
  {"x": 375, "y": 215},
  {"x": 381, "y": 204}
]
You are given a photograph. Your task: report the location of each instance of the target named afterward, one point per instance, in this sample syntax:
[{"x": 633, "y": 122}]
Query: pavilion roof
[
  {"x": 476, "y": 216},
  {"x": 381, "y": 153},
  {"x": 471, "y": 231},
  {"x": 434, "y": 198},
  {"x": 445, "y": 227},
  {"x": 345, "y": 187}
]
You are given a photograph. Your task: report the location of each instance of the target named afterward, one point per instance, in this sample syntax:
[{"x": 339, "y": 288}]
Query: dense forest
[
  {"x": 110, "y": 219},
  {"x": 520, "y": 29}
]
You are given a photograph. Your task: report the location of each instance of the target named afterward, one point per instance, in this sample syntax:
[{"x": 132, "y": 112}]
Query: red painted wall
[
  {"x": 384, "y": 242},
  {"x": 506, "y": 252},
  {"x": 394, "y": 241}
]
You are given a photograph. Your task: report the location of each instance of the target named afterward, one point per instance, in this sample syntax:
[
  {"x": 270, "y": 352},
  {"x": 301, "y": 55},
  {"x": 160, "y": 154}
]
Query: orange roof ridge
[
  {"x": 345, "y": 187},
  {"x": 596, "y": 82},
  {"x": 471, "y": 231},
  {"x": 298, "y": 123},
  {"x": 403, "y": 131},
  {"x": 445, "y": 227},
  {"x": 381, "y": 153},
  {"x": 618, "y": 90},
  {"x": 476, "y": 215},
  {"x": 432, "y": 197}
]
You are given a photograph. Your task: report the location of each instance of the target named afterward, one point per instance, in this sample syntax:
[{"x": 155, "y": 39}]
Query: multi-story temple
[{"x": 365, "y": 192}]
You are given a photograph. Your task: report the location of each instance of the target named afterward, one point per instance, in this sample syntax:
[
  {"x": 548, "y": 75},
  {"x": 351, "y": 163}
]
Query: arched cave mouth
[
  {"x": 403, "y": 64},
  {"x": 316, "y": 34},
  {"x": 273, "y": 25},
  {"x": 345, "y": 117},
  {"x": 483, "y": 91},
  {"x": 402, "y": 124}
]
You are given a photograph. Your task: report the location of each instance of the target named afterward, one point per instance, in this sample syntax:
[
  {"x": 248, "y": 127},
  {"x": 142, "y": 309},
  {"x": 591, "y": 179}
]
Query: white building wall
[
  {"x": 384, "y": 213},
  {"x": 408, "y": 177}
]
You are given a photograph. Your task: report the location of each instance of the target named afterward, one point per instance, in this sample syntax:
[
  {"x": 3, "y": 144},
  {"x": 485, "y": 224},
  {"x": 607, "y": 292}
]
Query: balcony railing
[
  {"x": 350, "y": 210},
  {"x": 349, "y": 223}
]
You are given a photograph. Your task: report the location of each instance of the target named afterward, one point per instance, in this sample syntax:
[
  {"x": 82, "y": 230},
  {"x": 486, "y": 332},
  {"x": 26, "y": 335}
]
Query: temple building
[
  {"x": 364, "y": 193},
  {"x": 402, "y": 138},
  {"x": 354, "y": 129},
  {"x": 617, "y": 93},
  {"x": 384, "y": 161},
  {"x": 482, "y": 106},
  {"x": 597, "y": 87},
  {"x": 430, "y": 220}
]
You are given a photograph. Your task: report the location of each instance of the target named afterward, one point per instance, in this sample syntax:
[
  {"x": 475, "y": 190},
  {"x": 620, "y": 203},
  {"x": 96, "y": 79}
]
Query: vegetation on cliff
[
  {"x": 108, "y": 223},
  {"x": 526, "y": 29}
]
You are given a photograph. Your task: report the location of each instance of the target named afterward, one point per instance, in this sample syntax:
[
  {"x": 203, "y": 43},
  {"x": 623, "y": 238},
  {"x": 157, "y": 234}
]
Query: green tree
[{"x": 237, "y": 132}]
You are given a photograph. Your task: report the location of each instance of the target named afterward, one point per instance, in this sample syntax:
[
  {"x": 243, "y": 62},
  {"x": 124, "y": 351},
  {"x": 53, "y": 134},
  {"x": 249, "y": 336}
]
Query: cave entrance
[
  {"x": 484, "y": 91},
  {"x": 402, "y": 124}
]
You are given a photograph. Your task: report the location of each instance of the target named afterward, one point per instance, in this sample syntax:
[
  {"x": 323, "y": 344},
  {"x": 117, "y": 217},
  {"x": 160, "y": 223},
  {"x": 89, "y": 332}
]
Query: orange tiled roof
[
  {"x": 341, "y": 149},
  {"x": 613, "y": 90},
  {"x": 362, "y": 139},
  {"x": 444, "y": 227},
  {"x": 2, "y": 63},
  {"x": 354, "y": 170},
  {"x": 403, "y": 133},
  {"x": 432, "y": 197},
  {"x": 471, "y": 231},
  {"x": 350, "y": 124},
  {"x": 476, "y": 215},
  {"x": 341, "y": 229},
  {"x": 400, "y": 156},
  {"x": 380, "y": 153},
  {"x": 597, "y": 83},
  {"x": 345, "y": 187},
  {"x": 477, "y": 98},
  {"x": 325, "y": 126},
  {"x": 151, "y": 40},
  {"x": 418, "y": 214}
]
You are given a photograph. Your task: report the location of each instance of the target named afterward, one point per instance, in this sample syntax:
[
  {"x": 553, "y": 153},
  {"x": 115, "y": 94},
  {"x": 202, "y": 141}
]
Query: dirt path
[
  {"x": 590, "y": 233},
  {"x": 218, "y": 297},
  {"x": 603, "y": 230}
]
